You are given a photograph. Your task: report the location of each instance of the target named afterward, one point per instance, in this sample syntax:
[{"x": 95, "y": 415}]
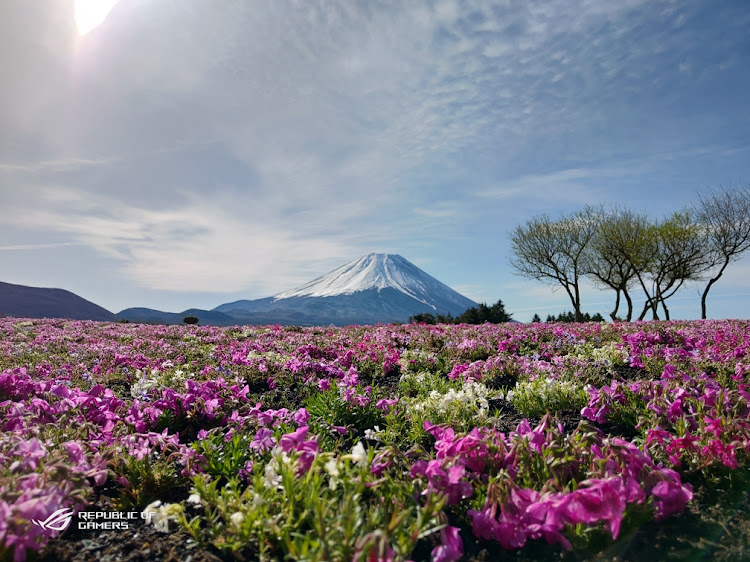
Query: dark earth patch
[{"x": 139, "y": 543}]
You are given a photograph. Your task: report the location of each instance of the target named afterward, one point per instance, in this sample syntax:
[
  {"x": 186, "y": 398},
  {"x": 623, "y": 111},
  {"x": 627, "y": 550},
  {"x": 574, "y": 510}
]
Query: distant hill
[
  {"x": 36, "y": 302},
  {"x": 375, "y": 288},
  {"x": 151, "y": 316}
]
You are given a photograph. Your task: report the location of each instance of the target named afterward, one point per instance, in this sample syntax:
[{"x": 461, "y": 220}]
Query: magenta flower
[
  {"x": 385, "y": 404},
  {"x": 546, "y": 521},
  {"x": 658, "y": 435},
  {"x": 389, "y": 555},
  {"x": 293, "y": 440},
  {"x": 31, "y": 452},
  {"x": 301, "y": 416},
  {"x": 439, "y": 480},
  {"x": 510, "y": 535},
  {"x": 597, "y": 500},
  {"x": 451, "y": 546},
  {"x": 360, "y": 400},
  {"x": 457, "y": 370},
  {"x": 670, "y": 497},
  {"x": 263, "y": 440},
  {"x": 483, "y": 524}
]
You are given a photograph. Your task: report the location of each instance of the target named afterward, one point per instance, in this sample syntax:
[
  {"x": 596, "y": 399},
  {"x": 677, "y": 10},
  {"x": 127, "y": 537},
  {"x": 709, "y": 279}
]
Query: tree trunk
[
  {"x": 613, "y": 314},
  {"x": 655, "y": 302},
  {"x": 630, "y": 305},
  {"x": 664, "y": 296},
  {"x": 704, "y": 296},
  {"x": 577, "y": 304},
  {"x": 652, "y": 305},
  {"x": 647, "y": 304},
  {"x": 646, "y": 308}
]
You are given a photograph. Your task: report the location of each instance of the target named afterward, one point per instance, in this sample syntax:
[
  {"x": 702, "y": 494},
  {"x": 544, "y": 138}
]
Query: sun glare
[{"x": 90, "y": 13}]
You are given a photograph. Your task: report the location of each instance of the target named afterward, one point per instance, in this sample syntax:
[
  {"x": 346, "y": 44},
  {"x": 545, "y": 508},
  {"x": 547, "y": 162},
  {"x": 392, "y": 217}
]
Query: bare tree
[
  {"x": 680, "y": 253},
  {"x": 617, "y": 251},
  {"x": 725, "y": 214},
  {"x": 554, "y": 252}
]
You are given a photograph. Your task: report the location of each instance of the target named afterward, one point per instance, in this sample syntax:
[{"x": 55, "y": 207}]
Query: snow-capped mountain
[
  {"x": 371, "y": 289},
  {"x": 379, "y": 271}
]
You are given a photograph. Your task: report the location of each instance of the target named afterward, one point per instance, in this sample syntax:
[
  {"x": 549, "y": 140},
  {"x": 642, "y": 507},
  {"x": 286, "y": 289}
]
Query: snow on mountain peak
[{"x": 378, "y": 271}]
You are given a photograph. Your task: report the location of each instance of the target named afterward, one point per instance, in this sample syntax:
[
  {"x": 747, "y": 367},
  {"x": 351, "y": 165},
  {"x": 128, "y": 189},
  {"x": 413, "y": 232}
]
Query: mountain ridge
[
  {"x": 374, "y": 288},
  {"x": 370, "y": 289},
  {"x": 41, "y": 302}
]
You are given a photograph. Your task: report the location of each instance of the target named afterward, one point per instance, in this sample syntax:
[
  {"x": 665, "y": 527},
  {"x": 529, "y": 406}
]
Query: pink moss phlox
[
  {"x": 443, "y": 477},
  {"x": 306, "y": 448},
  {"x": 451, "y": 546}
]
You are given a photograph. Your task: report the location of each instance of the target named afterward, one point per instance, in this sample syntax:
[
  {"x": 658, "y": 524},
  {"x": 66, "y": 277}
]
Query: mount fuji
[{"x": 376, "y": 288}]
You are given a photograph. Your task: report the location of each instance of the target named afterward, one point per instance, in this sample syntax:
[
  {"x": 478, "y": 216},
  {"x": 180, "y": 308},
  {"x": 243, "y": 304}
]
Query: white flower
[
  {"x": 359, "y": 455},
  {"x": 373, "y": 434},
  {"x": 194, "y": 499},
  {"x": 237, "y": 518},
  {"x": 271, "y": 476},
  {"x": 332, "y": 468},
  {"x": 467, "y": 403},
  {"x": 144, "y": 384},
  {"x": 159, "y": 515}
]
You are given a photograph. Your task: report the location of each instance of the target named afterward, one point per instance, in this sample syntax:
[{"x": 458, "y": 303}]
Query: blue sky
[{"x": 186, "y": 154}]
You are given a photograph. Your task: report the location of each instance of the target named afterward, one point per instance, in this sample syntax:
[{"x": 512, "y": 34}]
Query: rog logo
[{"x": 58, "y": 521}]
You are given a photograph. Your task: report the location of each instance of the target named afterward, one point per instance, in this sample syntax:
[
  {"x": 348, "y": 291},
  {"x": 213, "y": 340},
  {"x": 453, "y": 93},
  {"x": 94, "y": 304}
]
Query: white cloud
[
  {"x": 24, "y": 247},
  {"x": 272, "y": 140},
  {"x": 60, "y": 165},
  {"x": 439, "y": 211},
  {"x": 572, "y": 186},
  {"x": 196, "y": 247}
]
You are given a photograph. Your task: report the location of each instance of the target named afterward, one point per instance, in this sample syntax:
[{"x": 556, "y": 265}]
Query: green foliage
[
  {"x": 225, "y": 457},
  {"x": 146, "y": 480},
  {"x": 494, "y": 314},
  {"x": 631, "y": 414},
  {"x": 423, "y": 318},
  {"x": 330, "y": 409},
  {"x": 413, "y": 361},
  {"x": 190, "y": 319},
  {"x": 569, "y": 316},
  {"x": 337, "y": 510}
]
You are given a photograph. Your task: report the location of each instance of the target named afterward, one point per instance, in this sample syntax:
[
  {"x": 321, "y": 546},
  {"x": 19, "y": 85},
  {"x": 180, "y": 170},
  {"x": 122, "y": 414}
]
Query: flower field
[{"x": 398, "y": 442}]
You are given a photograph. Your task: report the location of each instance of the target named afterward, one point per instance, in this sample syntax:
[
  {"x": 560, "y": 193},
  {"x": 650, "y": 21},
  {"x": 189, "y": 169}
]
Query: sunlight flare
[{"x": 91, "y": 13}]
